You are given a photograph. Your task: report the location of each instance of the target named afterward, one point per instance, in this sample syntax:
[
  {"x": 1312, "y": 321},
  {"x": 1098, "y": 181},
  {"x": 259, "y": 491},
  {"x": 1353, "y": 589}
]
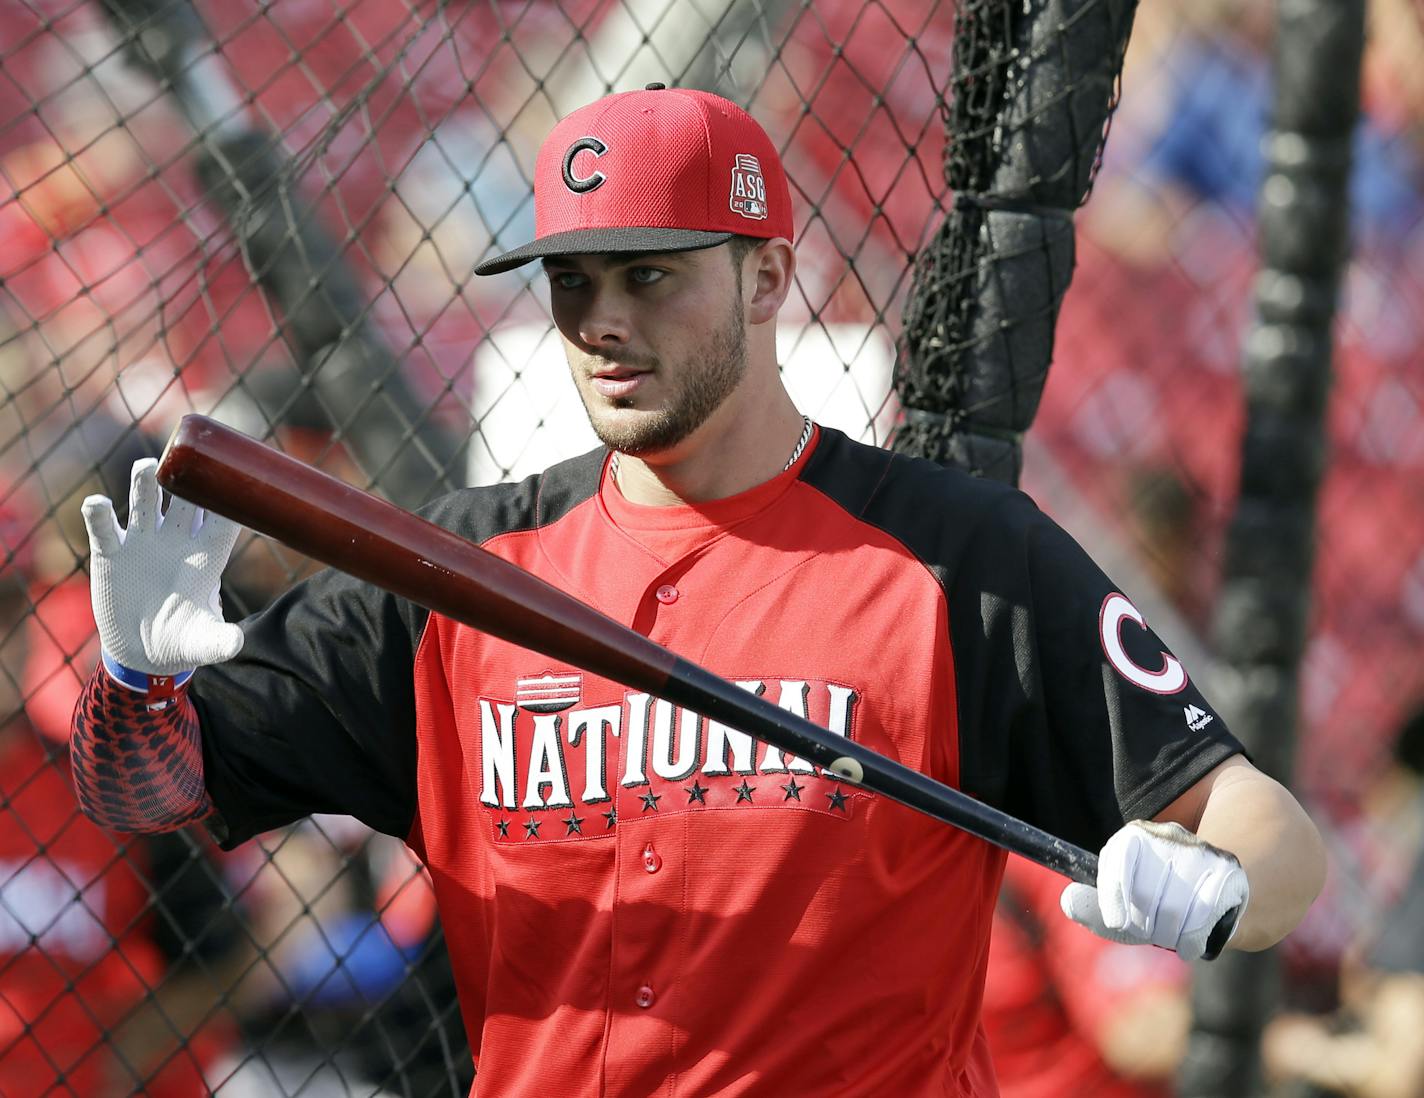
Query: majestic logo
[
  {"x": 582, "y": 184},
  {"x": 1197, "y": 718},
  {"x": 748, "y": 188},
  {"x": 555, "y": 750},
  {"x": 1116, "y": 609}
]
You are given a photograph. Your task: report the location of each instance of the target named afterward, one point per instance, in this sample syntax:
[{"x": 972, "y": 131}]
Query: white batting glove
[
  {"x": 154, "y": 586},
  {"x": 1158, "y": 884}
]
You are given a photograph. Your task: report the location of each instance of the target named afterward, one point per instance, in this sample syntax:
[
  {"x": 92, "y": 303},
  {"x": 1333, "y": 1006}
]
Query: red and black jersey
[{"x": 639, "y": 900}]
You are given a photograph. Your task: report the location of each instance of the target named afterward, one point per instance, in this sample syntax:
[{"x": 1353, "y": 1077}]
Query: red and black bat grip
[{"x": 227, "y": 472}]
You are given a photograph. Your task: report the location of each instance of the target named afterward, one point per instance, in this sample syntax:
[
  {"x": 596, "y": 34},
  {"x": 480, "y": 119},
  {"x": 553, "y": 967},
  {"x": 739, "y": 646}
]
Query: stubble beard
[{"x": 704, "y": 386}]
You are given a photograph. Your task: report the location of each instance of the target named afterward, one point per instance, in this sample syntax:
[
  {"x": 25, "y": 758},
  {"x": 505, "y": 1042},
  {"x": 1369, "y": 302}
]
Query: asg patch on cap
[{"x": 748, "y": 188}]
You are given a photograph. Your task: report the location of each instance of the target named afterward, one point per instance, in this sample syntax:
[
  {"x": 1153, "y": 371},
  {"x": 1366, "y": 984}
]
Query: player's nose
[{"x": 607, "y": 318}]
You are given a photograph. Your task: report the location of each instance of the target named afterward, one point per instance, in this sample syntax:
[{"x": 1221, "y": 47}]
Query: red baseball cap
[{"x": 657, "y": 170}]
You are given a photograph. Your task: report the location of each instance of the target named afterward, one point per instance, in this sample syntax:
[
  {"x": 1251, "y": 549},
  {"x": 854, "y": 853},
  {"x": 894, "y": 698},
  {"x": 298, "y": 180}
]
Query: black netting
[{"x": 1033, "y": 90}]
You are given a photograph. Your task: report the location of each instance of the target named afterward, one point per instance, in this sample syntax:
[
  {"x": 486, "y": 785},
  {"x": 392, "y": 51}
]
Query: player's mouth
[{"x": 618, "y": 381}]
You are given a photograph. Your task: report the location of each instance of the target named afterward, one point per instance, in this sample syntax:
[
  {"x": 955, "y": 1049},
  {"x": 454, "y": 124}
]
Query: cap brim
[{"x": 604, "y": 241}]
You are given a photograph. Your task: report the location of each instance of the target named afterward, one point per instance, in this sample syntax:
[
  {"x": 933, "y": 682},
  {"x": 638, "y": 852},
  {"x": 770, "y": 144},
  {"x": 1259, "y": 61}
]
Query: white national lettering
[
  {"x": 635, "y": 771},
  {"x": 843, "y": 700},
  {"x": 590, "y": 727},
  {"x": 497, "y": 753},
  {"x": 546, "y": 766},
  {"x": 723, "y": 742},
  {"x": 526, "y": 750},
  {"x": 794, "y": 693},
  {"x": 675, "y": 762}
]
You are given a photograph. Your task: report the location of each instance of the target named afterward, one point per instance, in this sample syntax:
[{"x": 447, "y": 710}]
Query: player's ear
[{"x": 766, "y": 275}]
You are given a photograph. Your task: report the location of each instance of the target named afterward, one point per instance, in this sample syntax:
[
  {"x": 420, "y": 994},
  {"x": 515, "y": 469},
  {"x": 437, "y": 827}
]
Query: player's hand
[
  {"x": 154, "y": 586},
  {"x": 1159, "y": 884}
]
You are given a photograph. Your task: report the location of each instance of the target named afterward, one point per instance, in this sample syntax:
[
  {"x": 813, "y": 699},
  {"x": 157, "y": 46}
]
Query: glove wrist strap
[{"x": 161, "y": 689}]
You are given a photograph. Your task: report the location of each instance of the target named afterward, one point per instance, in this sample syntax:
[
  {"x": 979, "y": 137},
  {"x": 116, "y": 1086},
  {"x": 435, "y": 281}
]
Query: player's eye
[
  {"x": 645, "y": 276},
  {"x": 566, "y": 280}
]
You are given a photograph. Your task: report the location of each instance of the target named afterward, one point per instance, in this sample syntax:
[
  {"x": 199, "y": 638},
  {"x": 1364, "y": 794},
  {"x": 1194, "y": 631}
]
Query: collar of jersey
[{"x": 714, "y": 514}]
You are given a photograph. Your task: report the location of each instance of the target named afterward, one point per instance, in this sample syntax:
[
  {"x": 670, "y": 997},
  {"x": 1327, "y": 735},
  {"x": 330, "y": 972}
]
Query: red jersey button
[
  {"x": 652, "y": 861},
  {"x": 667, "y": 593},
  {"x": 645, "y": 996}
]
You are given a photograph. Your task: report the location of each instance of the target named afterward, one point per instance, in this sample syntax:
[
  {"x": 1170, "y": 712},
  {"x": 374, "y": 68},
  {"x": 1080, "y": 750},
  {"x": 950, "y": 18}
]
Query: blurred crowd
[{"x": 312, "y": 960}]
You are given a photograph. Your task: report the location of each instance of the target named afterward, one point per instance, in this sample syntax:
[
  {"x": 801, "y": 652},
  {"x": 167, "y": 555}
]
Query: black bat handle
[
  {"x": 713, "y": 696},
  {"x": 1221, "y": 934}
]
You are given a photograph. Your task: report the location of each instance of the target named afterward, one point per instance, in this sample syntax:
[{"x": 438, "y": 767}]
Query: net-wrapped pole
[
  {"x": 1034, "y": 86},
  {"x": 359, "y": 382},
  {"x": 1259, "y": 626}
]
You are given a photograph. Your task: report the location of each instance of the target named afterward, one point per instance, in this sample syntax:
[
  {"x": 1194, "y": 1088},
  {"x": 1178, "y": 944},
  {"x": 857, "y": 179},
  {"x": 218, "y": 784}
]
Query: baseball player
[{"x": 638, "y": 899}]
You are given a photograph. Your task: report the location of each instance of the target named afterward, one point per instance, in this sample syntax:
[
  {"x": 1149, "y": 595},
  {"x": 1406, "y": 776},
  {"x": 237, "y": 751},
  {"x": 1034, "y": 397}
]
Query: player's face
[{"x": 656, "y": 343}]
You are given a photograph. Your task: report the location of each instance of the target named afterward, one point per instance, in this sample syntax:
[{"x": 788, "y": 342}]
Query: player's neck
[{"x": 729, "y": 454}]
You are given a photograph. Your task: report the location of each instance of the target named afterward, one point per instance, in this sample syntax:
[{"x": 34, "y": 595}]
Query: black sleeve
[
  {"x": 1059, "y": 725},
  {"x": 317, "y": 713}
]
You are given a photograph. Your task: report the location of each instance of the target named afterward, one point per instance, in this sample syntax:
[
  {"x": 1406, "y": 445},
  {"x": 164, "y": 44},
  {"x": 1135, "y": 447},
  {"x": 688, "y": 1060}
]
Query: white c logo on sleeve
[{"x": 1116, "y": 608}]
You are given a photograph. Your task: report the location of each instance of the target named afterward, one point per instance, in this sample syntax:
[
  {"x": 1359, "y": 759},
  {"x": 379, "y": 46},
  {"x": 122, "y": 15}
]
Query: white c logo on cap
[
  {"x": 1116, "y": 609},
  {"x": 582, "y": 184}
]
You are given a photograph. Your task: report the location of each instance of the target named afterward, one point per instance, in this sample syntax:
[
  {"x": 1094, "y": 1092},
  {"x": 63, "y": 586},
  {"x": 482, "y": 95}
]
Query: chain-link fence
[{"x": 269, "y": 212}]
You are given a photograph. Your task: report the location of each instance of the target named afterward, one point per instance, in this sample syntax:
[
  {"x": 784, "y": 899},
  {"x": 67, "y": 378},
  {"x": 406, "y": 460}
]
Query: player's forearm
[
  {"x": 1259, "y": 821},
  {"x": 138, "y": 767},
  {"x": 138, "y": 763}
]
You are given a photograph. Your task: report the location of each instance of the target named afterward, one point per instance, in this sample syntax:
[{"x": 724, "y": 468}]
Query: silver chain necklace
[{"x": 796, "y": 453}]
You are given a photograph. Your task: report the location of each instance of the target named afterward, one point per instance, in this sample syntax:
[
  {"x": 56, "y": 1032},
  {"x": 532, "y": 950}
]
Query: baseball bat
[{"x": 227, "y": 472}]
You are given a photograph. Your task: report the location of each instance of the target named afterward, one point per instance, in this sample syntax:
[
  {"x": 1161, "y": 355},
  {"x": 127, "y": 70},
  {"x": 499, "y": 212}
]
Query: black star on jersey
[
  {"x": 650, "y": 800},
  {"x": 611, "y": 816},
  {"x": 744, "y": 791},
  {"x": 503, "y": 826},
  {"x": 696, "y": 792},
  {"x": 837, "y": 799},
  {"x": 574, "y": 824},
  {"x": 531, "y": 828},
  {"x": 793, "y": 791}
]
